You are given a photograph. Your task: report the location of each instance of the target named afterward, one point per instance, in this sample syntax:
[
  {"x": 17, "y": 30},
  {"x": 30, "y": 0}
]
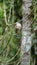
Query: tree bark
[{"x": 26, "y": 33}]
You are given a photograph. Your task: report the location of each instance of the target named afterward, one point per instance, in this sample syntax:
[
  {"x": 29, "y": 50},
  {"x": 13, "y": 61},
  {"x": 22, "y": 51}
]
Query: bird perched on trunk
[{"x": 18, "y": 26}]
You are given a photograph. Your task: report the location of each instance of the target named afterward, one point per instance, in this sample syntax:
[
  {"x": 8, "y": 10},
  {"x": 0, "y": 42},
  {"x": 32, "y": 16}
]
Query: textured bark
[{"x": 26, "y": 33}]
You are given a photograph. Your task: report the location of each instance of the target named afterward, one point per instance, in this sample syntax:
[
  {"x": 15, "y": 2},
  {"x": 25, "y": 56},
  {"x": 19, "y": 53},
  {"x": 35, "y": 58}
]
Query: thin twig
[{"x": 5, "y": 16}]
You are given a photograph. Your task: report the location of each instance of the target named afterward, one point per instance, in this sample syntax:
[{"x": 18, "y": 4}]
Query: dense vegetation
[
  {"x": 34, "y": 34},
  {"x": 10, "y": 38}
]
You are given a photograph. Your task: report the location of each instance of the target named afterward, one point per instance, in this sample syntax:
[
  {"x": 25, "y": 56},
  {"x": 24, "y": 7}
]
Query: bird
[{"x": 18, "y": 26}]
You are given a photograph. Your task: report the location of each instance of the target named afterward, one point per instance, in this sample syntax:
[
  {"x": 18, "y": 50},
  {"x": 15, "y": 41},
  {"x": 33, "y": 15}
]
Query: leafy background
[{"x": 10, "y": 41}]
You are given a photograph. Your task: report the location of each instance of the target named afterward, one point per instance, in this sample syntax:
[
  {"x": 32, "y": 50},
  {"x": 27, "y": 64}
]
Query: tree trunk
[{"x": 26, "y": 33}]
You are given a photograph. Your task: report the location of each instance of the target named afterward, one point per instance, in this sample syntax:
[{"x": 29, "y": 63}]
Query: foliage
[
  {"x": 34, "y": 34},
  {"x": 10, "y": 12}
]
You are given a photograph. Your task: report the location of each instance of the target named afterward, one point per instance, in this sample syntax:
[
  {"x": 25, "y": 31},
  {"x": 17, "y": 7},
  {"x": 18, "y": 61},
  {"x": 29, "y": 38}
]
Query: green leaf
[
  {"x": 1, "y": 30},
  {"x": 1, "y": 12}
]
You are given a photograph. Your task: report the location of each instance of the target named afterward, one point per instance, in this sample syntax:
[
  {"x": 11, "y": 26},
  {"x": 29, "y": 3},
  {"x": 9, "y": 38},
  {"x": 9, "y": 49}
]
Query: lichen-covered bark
[{"x": 26, "y": 33}]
